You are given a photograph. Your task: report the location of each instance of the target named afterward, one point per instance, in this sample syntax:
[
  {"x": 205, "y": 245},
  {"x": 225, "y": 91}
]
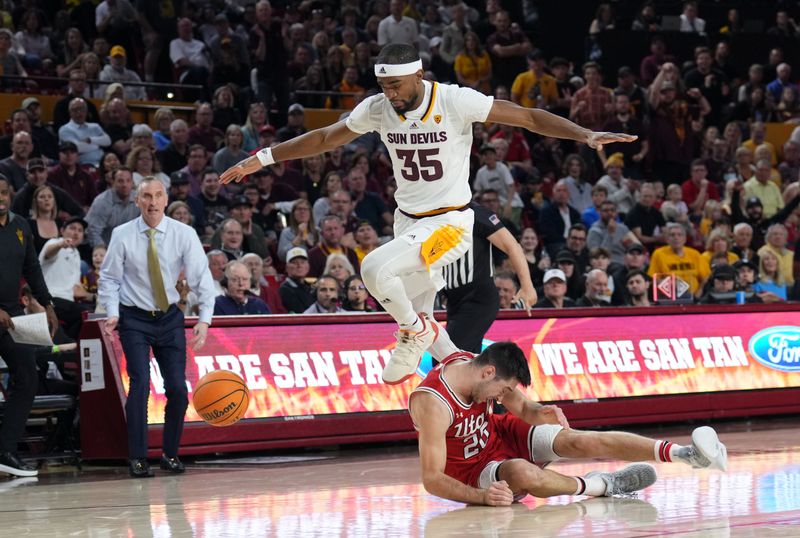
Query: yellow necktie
[{"x": 154, "y": 268}]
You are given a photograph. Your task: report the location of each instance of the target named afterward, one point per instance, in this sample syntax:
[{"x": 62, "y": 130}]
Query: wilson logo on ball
[{"x": 221, "y": 398}]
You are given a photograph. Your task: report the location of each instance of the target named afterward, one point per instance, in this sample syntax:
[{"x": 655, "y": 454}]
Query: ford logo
[{"x": 777, "y": 348}]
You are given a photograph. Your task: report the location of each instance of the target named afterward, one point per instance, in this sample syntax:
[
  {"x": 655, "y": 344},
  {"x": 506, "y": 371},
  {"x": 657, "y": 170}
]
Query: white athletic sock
[
  {"x": 443, "y": 347},
  {"x": 665, "y": 451},
  {"x": 593, "y": 485},
  {"x": 414, "y": 327}
]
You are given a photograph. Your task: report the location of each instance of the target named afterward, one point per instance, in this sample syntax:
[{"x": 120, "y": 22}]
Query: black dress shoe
[
  {"x": 173, "y": 465},
  {"x": 11, "y": 464},
  {"x": 139, "y": 468}
]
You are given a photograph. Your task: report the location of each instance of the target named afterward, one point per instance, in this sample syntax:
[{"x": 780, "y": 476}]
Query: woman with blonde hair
[
  {"x": 339, "y": 267},
  {"x": 163, "y": 118},
  {"x": 90, "y": 63},
  {"x": 330, "y": 184},
  {"x": 719, "y": 242},
  {"x": 44, "y": 221},
  {"x": 732, "y": 134},
  {"x": 712, "y": 212},
  {"x": 143, "y": 163},
  {"x": 771, "y": 285},
  {"x": 256, "y": 119},
  {"x": 180, "y": 211},
  {"x": 473, "y": 66},
  {"x": 115, "y": 90},
  {"x": 231, "y": 152},
  {"x": 301, "y": 230}
]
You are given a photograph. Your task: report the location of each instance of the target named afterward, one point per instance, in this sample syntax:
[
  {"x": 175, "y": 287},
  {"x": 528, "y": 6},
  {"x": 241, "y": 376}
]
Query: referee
[
  {"x": 19, "y": 260},
  {"x": 137, "y": 288},
  {"x": 472, "y": 300}
]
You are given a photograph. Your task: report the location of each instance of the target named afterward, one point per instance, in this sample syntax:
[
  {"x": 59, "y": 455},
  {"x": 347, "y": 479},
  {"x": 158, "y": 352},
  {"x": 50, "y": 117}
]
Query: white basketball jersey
[{"x": 429, "y": 146}]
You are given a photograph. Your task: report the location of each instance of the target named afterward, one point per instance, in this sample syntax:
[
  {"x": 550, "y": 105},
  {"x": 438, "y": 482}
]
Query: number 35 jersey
[{"x": 430, "y": 146}]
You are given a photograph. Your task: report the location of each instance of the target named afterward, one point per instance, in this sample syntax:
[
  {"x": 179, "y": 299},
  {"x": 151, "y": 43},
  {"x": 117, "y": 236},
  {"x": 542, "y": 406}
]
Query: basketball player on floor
[
  {"x": 468, "y": 454},
  {"x": 427, "y": 128}
]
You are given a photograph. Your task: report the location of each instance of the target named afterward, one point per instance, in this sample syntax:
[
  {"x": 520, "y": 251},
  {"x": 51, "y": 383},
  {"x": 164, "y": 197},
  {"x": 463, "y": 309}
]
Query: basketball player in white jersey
[{"x": 427, "y": 128}]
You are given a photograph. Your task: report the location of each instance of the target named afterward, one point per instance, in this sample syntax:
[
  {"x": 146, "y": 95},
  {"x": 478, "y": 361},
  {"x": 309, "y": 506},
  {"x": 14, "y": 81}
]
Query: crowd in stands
[{"x": 702, "y": 194}]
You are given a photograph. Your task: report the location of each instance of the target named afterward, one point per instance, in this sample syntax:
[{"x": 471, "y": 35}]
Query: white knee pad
[
  {"x": 489, "y": 475},
  {"x": 370, "y": 269},
  {"x": 540, "y": 443}
]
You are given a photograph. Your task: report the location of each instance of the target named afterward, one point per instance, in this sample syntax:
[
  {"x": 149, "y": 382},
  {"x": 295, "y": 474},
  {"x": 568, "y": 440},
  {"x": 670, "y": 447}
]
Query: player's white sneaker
[
  {"x": 707, "y": 451},
  {"x": 408, "y": 352},
  {"x": 627, "y": 480}
]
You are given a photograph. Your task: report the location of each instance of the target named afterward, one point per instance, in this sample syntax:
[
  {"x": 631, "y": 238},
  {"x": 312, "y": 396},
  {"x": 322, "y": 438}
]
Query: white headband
[{"x": 397, "y": 70}]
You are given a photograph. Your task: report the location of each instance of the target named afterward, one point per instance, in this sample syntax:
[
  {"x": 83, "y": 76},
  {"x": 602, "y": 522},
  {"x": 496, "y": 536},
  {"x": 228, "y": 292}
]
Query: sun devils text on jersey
[{"x": 429, "y": 146}]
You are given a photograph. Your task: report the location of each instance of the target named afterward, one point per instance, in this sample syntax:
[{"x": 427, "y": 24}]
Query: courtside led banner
[{"x": 310, "y": 370}]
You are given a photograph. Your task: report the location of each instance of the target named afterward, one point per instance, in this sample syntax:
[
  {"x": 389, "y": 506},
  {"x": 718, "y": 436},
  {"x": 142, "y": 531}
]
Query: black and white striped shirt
[{"x": 476, "y": 266}]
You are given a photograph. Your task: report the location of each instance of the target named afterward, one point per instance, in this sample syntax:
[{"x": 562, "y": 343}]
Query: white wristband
[{"x": 265, "y": 157}]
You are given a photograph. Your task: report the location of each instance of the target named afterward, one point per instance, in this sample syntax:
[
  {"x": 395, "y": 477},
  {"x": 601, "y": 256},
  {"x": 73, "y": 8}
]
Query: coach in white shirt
[{"x": 137, "y": 288}]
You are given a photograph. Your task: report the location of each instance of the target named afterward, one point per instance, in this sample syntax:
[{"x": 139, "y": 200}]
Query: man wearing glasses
[
  {"x": 238, "y": 301},
  {"x": 576, "y": 243},
  {"x": 77, "y": 88}
]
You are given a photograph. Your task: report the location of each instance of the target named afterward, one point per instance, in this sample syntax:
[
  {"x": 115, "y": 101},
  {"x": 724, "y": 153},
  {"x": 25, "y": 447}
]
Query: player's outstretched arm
[
  {"x": 543, "y": 122},
  {"x": 308, "y": 144},
  {"x": 433, "y": 420},
  {"x": 532, "y": 412},
  {"x": 506, "y": 242}
]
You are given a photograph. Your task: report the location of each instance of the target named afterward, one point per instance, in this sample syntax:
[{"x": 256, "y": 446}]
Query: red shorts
[{"x": 512, "y": 438}]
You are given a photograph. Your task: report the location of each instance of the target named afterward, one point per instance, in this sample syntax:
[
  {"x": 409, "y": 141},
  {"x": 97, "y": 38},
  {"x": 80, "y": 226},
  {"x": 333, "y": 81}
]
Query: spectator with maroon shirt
[
  {"x": 71, "y": 177},
  {"x": 36, "y": 176},
  {"x": 203, "y": 132},
  {"x": 672, "y": 137},
  {"x": 508, "y": 47},
  {"x": 288, "y": 176},
  {"x": 698, "y": 188},
  {"x": 195, "y": 166},
  {"x": 331, "y": 233},
  {"x": 651, "y": 65}
]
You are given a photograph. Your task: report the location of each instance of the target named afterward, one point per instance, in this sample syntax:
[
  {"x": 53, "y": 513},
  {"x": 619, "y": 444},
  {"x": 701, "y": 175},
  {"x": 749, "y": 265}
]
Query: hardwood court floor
[{"x": 377, "y": 494}]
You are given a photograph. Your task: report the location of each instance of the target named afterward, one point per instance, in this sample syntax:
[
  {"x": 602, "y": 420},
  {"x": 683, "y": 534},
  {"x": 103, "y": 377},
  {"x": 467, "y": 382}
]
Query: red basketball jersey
[{"x": 471, "y": 436}]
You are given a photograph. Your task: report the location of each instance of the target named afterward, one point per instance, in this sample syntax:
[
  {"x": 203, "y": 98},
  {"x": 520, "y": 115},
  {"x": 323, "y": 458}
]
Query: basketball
[{"x": 221, "y": 398}]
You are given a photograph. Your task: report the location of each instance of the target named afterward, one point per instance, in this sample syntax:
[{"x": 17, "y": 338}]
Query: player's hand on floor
[
  {"x": 498, "y": 494},
  {"x": 552, "y": 414}
]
